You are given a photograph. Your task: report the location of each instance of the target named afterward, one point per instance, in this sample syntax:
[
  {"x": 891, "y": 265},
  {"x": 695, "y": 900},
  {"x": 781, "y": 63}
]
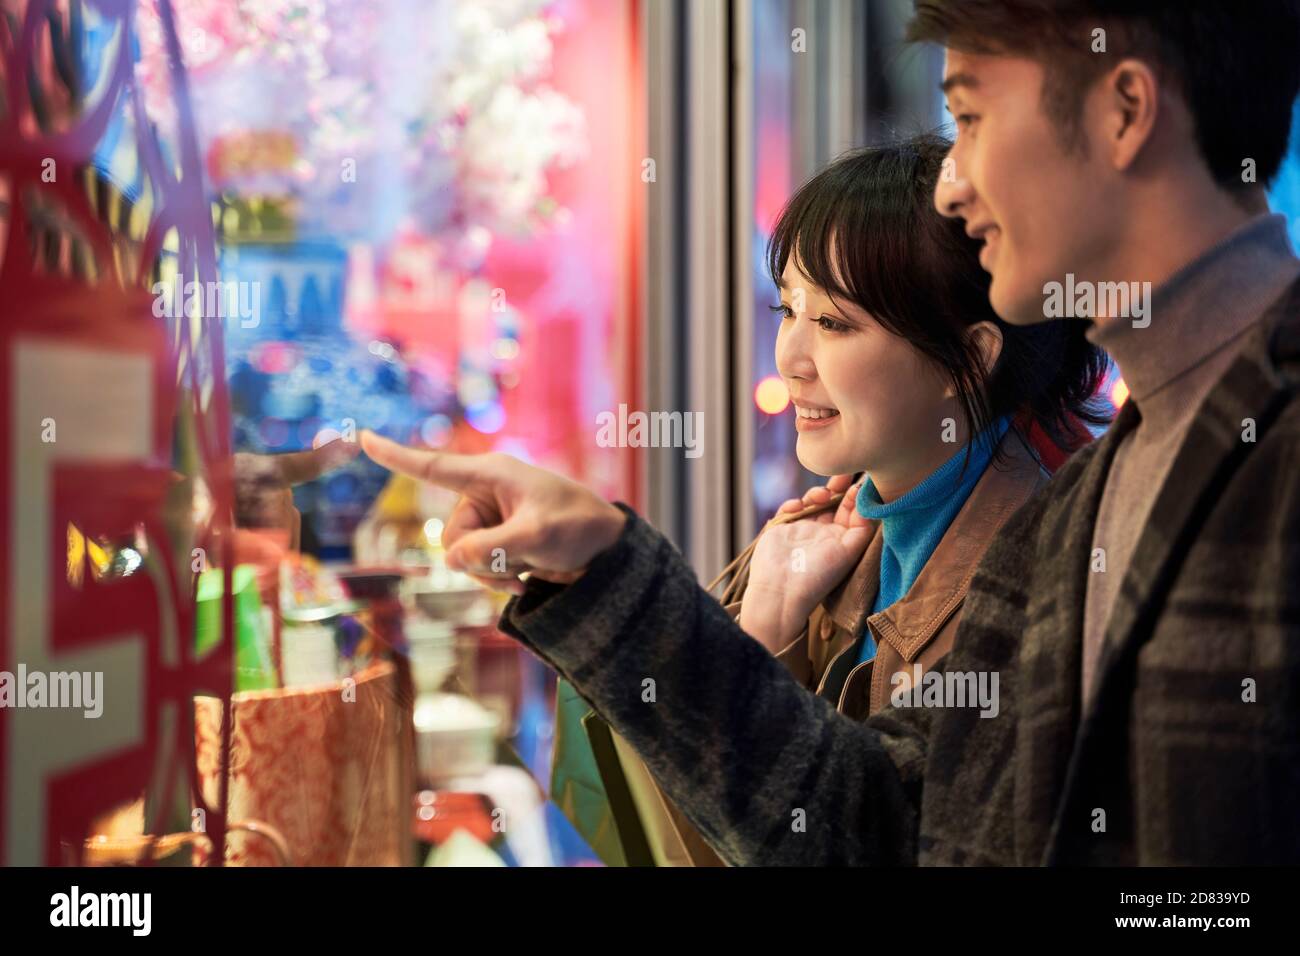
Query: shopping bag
[
  {"x": 323, "y": 765},
  {"x": 576, "y": 785},
  {"x": 607, "y": 793}
]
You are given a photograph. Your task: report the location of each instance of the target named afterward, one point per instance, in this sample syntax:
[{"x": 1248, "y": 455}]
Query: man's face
[{"x": 1041, "y": 210}]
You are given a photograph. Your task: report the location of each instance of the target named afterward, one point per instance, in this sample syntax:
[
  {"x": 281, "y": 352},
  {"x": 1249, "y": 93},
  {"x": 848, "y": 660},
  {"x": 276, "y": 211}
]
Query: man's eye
[
  {"x": 830, "y": 325},
  {"x": 964, "y": 120}
]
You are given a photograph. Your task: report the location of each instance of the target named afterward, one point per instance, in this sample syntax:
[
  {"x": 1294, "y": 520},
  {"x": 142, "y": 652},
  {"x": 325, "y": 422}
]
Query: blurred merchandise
[
  {"x": 308, "y": 590},
  {"x": 254, "y": 659},
  {"x": 450, "y": 596},
  {"x": 364, "y": 234},
  {"x": 308, "y": 655},
  {"x": 299, "y": 379},
  {"x": 518, "y": 814},
  {"x": 287, "y": 222},
  {"x": 440, "y": 813},
  {"x": 404, "y": 524},
  {"x": 322, "y": 766},
  {"x": 490, "y": 668},
  {"x": 343, "y": 107},
  {"x": 454, "y": 737},
  {"x": 326, "y": 634},
  {"x": 377, "y": 590},
  {"x": 369, "y": 583},
  {"x": 462, "y": 849},
  {"x": 432, "y": 649}
]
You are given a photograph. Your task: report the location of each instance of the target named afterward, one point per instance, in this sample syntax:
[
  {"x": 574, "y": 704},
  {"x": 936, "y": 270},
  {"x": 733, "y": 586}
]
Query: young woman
[{"x": 899, "y": 368}]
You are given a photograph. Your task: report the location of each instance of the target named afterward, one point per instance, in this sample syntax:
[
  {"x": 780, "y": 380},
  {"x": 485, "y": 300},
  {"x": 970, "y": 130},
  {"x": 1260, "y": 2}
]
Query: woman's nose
[{"x": 793, "y": 355}]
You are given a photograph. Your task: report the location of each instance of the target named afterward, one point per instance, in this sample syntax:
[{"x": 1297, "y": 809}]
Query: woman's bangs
[{"x": 809, "y": 230}]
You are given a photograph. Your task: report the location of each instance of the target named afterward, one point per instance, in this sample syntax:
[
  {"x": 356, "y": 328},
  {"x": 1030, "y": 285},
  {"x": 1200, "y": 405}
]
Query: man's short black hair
[{"x": 1237, "y": 64}]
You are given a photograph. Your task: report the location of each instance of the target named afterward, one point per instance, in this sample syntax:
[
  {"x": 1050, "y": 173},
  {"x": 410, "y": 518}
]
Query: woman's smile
[{"x": 814, "y": 417}]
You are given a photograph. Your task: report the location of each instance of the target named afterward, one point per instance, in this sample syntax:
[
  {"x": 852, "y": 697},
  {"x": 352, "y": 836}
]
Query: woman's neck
[
  {"x": 892, "y": 486},
  {"x": 895, "y": 480}
]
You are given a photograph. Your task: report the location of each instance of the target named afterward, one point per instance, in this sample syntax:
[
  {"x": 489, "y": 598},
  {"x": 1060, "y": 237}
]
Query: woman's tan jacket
[{"x": 916, "y": 630}]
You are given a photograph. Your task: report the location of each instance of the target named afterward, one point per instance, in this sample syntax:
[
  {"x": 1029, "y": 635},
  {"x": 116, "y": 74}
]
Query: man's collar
[{"x": 1204, "y": 305}]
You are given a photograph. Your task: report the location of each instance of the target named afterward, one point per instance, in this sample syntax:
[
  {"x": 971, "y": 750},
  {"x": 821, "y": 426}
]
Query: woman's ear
[{"x": 987, "y": 339}]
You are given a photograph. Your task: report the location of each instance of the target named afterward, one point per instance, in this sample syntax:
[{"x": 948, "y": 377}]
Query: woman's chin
[{"x": 823, "y": 465}]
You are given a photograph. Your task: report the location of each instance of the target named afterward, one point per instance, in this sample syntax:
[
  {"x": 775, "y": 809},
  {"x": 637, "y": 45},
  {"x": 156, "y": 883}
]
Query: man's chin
[{"x": 1016, "y": 306}]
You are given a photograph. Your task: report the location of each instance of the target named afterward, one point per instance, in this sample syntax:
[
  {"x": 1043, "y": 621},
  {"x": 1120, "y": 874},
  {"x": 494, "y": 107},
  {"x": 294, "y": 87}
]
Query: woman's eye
[
  {"x": 830, "y": 325},
  {"x": 783, "y": 311},
  {"x": 964, "y": 120}
]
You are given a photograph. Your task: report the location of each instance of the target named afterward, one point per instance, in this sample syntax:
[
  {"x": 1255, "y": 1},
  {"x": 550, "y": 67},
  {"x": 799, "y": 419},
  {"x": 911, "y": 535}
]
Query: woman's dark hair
[{"x": 865, "y": 229}]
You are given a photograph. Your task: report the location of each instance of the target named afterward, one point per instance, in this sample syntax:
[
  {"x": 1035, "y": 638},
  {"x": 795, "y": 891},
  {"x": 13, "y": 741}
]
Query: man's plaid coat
[{"x": 1190, "y": 754}]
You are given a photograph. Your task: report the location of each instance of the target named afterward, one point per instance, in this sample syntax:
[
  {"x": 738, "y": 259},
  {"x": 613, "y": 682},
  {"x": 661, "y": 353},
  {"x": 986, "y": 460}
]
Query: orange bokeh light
[
  {"x": 771, "y": 395},
  {"x": 1118, "y": 393}
]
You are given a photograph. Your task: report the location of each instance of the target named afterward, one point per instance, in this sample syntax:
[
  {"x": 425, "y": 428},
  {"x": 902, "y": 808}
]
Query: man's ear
[
  {"x": 986, "y": 336},
  {"x": 1129, "y": 104}
]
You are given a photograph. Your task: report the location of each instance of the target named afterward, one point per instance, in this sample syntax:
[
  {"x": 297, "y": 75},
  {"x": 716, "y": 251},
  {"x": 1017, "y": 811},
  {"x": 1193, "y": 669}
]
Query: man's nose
[{"x": 953, "y": 192}]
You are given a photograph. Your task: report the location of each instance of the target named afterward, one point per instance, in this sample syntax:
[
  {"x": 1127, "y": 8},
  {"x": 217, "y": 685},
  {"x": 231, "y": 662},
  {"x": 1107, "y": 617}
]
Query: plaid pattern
[{"x": 1174, "y": 764}]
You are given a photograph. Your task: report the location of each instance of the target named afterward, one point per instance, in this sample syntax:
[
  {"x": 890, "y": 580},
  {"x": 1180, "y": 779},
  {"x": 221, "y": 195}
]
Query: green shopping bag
[{"x": 576, "y": 780}]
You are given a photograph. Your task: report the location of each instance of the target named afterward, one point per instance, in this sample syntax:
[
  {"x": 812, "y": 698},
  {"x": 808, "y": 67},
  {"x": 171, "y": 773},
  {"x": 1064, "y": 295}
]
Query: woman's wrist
[{"x": 768, "y": 616}]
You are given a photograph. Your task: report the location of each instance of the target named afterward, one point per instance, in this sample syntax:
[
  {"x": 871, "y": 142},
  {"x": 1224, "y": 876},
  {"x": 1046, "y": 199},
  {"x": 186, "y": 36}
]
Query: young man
[{"x": 1142, "y": 615}]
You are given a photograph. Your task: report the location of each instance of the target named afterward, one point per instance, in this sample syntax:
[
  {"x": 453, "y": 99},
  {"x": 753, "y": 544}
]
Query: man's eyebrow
[{"x": 968, "y": 80}]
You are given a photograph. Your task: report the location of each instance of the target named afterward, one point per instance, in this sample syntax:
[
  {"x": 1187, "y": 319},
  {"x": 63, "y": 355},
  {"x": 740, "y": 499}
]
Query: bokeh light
[
  {"x": 325, "y": 436},
  {"x": 435, "y": 430},
  {"x": 1118, "y": 393},
  {"x": 488, "y": 418},
  {"x": 771, "y": 395}
]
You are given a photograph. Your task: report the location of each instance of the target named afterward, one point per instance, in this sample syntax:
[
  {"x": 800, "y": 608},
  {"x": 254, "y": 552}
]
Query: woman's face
[{"x": 865, "y": 399}]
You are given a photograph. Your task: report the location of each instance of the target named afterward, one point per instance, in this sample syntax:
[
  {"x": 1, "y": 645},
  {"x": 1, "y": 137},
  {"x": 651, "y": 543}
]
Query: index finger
[{"x": 457, "y": 472}]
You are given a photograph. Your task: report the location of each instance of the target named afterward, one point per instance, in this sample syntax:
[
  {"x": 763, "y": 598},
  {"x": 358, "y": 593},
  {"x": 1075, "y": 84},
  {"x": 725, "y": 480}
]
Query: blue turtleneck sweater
[{"x": 915, "y": 523}]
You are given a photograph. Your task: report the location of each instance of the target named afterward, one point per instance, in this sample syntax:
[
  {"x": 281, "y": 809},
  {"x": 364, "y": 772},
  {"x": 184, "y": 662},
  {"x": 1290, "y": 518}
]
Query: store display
[
  {"x": 321, "y": 765},
  {"x": 254, "y": 658},
  {"x": 490, "y": 668},
  {"x": 438, "y": 814},
  {"x": 213, "y": 279},
  {"x": 461, "y": 849},
  {"x": 450, "y": 596},
  {"x": 308, "y": 654},
  {"x": 112, "y": 206},
  {"x": 370, "y": 583},
  {"x": 454, "y": 737},
  {"x": 432, "y": 648}
]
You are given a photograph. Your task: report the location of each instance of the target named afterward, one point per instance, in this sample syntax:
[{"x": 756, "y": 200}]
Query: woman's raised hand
[
  {"x": 797, "y": 563},
  {"x": 822, "y": 493}
]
